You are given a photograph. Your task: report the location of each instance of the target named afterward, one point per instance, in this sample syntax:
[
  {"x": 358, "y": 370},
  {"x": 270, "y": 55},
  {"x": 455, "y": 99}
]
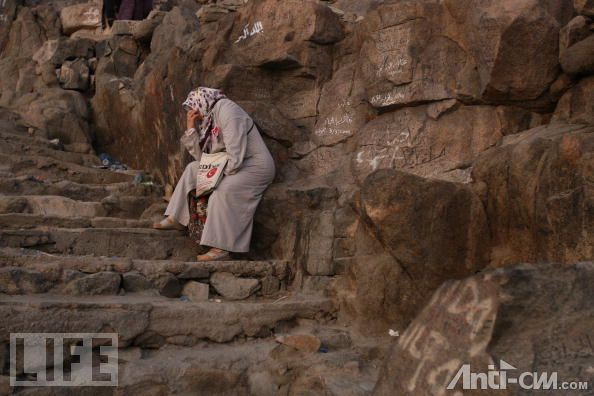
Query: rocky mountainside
[{"x": 432, "y": 155}]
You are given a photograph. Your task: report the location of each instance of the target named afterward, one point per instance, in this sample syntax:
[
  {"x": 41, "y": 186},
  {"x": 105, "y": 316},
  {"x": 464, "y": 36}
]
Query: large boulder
[
  {"x": 536, "y": 190},
  {"x": 61, "y": 114},
  {"x": 522, "y": 319},
  {"x": 283, "y": 33},
  {"x": 81, "y": 16},
  {"x": 426, "y": 51},
  {"x": 433, "y": 230},
  {"x": 440, "y": 140}
]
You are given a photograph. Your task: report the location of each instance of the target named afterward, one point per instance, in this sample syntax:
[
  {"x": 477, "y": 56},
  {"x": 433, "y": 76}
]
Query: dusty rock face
[
  {"x": 423, "y": 51},
  {"x": 532, "y": 317},
  {"x": 80, "y": 16},
  {"x": 577, "y": 104},
  {"x": 536, "y": 195},
  {"x": 427, "y": 244},
  {"x": 438, "y": 140}
]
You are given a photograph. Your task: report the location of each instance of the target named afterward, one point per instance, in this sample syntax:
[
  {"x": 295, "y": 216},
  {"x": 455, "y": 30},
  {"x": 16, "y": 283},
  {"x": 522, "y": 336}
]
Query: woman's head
[{"x": 202, "y": 100}]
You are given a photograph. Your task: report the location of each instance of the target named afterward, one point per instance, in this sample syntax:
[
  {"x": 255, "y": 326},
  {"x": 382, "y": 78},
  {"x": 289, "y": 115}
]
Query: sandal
[
  {"x": 168, "y": 223},
  {"x": 213, "y": 254}
]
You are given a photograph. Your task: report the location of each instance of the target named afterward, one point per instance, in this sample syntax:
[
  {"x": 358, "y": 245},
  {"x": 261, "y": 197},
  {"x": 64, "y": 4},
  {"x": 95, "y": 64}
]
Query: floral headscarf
[{"x": 203, "y": 100}]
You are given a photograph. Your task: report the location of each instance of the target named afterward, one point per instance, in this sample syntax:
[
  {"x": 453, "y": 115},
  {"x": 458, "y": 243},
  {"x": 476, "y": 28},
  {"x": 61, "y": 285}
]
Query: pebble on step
[{"x": 302, "y": 342}]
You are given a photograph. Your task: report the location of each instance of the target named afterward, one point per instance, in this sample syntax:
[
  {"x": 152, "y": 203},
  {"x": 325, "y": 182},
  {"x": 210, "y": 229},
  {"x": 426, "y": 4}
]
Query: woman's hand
[{"x": 191, "y": 118}]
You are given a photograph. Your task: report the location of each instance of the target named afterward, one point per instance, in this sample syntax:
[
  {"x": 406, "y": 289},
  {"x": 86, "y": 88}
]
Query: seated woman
[{"x": 224, "y": 126}]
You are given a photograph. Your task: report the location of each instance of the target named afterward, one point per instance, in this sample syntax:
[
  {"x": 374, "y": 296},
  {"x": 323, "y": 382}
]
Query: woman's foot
[
  {"x": 213, "y": 254},
  {"x": 168, "y": 223}
]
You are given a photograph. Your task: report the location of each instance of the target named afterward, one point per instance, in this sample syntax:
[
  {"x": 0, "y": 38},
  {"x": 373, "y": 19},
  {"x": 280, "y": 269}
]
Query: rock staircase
[{"x": 77, "y": 254}]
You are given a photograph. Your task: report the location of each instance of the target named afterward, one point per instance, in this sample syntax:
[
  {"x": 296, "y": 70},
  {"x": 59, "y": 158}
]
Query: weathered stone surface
[
  {"x": 270, "y": 285},
  {"x": 121, "y": 58},
  {"x": 319, "y": 249},
  {"x": 50, "y": 206},
  {"x": 577, "y": 104},
  {"x": 341, "y": 107},
  {"x": 145, "y": 28},
  {"x": 135, "y": 282},
  {"x": 8, "y": 12},
  {"x": 73, "y": 314},
  {"x": 232, "y": 287},
  {"x": 27, "y": 34},
  {"x": 56, "y": 51},
  {"x": 196, "y": 291},
  {"x": 575, "y": 31},
  {"x": 138, "y": 318},
  {"x": 584, "y": 7},
  {"x": 75, "y": 75},
  {"x": 104, "y": 241},
  {"x": 578, "y": 59},
  {"x": 302, "y": 342},
  {"x": 95, "y": 284},
  {"x": 14, "y": 280},
  {"x": 168, "y": 285},
  {"x": 124, "y": 27},
  {"x": 433, "y": 142},
  {"x": 80, "y": 16},
  {"x": 277, "y": 34},
  {"x": 535, "y": 192},
  {"x": 535, "y": 318},
  {"x": 428, "y": 244},
  {"x": 424, "y": 51},
  {"x": 63, "y": 114}
]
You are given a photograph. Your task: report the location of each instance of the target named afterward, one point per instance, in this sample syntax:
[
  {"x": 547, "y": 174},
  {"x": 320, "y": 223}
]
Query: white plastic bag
[{"x": 210, "y": 172}]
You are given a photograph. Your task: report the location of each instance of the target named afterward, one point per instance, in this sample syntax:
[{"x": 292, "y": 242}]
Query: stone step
[
  {"x": 24, "y": 271},
  {"x": 28, "y": 221},
  {"x": 30, "y": 185},
  {"x": 148, "y": 321},
  {"x": 258, "y": 366},
  {"x": 58, "y": 206},
  {"x": 45, "y": 168},
  {"x": 12, "y": 143},
  {"x": 112, "y": 242},
  {"x": 50, "y": 205}
]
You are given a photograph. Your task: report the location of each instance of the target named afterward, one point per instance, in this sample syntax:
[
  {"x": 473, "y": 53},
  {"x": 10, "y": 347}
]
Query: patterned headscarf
[{"x": 203, "y": 100}]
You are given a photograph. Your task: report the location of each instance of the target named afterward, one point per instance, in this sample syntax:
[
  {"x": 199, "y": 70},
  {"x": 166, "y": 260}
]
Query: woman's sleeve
[
  {"x": 234, "y": 129},
  {"x": 191, "y": 141}
]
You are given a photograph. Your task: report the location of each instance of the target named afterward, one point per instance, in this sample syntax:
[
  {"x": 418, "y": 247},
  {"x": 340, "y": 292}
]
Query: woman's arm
[
  {"x": 191, "y": 138},
  {"x": 191, "y": 141}
]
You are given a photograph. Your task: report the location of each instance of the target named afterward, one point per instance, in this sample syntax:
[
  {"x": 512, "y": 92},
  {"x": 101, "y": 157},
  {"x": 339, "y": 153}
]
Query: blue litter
[
  {"x": 323, "y": 350},
  {"x": 138, "y": 178},
  {"x": 108, "y": 162}
]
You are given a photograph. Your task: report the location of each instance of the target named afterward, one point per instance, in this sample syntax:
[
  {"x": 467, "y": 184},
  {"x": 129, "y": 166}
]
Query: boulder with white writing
[
  {"x": 440, "y": 140},
  {"x": 80, "y": 16},
  {"x": 426, "y": 51},
  {"x": 528, "y": 318}
]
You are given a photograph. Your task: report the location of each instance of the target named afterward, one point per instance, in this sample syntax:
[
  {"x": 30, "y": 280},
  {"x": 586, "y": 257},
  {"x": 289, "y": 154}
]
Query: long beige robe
[{"x": 250, "y": 170}]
